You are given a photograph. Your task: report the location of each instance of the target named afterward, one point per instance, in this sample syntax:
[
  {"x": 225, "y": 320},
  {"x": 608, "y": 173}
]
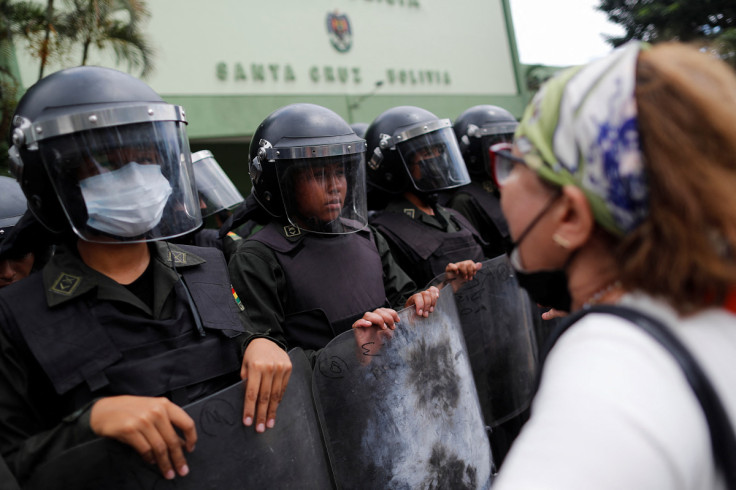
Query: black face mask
[{"x": 546, "y": 287}]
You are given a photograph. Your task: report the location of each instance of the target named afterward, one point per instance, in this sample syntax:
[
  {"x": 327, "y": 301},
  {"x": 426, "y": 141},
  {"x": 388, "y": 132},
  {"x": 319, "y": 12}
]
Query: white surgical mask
[{"x": 126, "y": 202}]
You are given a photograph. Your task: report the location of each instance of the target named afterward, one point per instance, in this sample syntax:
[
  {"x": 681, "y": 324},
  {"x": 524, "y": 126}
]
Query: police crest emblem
[{"x": 339, "y": 31}]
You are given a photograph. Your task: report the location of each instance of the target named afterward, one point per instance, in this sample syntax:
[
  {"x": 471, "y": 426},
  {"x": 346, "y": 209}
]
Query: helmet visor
[
  {"x": 216, "y": 190},
  {"x": 12, "y": 203},
  {"x": 433, "y": 161},
  {"x": 326, "y": 194},
  {"x": 130, "y": 183}
]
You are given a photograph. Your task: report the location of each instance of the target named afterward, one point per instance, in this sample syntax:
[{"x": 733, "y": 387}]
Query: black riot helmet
[
  {"x": 12, "y": 205},
  {"x": 409, "y": 148},
  {"x": 100, "y": 150},
  {"x": 479, "y": 128},
  {"x": 307, "y": 167},
  {"x": 359, "y": 128}
]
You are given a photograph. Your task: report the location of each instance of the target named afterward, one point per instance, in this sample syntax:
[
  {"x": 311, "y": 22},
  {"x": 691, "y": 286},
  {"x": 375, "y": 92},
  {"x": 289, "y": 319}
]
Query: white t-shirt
[{"x": 614, "y": 410}]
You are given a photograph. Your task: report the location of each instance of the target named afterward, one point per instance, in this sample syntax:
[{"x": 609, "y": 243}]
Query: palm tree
[
  {"x": 45, "y": 44},
  {"x": 105, "y": 24},
  {"x": 35, "y": 24},
  {"x": 52, "y": 32},
  {"x": 17, "y": 19}
]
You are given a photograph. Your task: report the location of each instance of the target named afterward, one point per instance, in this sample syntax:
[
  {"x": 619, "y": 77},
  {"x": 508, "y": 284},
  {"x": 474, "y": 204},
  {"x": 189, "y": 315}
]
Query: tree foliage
[
  {"x": 707, "y": 23},
  {"x": 20, "y": 18},
  {"x": 17, "y": 20},
  {"x": 59, "y": 31},
  {"x": 54, "y": 31},
  {"x": 109, "y": 24}
]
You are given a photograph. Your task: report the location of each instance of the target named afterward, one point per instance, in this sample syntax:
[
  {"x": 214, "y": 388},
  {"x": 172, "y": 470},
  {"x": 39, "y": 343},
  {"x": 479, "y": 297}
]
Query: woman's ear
[{"x": 575, "y": 219}]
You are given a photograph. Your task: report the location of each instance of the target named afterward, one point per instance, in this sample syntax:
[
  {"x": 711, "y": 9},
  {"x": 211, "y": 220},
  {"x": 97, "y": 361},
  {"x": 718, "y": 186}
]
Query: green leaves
[{"x": 706, "y": 23}]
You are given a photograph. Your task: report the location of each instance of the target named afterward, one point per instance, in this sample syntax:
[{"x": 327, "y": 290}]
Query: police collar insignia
[
  {"x": 179, "y": 257},
  {"x": 65, "y": 284},
  {"x": 291, "y": 230}
]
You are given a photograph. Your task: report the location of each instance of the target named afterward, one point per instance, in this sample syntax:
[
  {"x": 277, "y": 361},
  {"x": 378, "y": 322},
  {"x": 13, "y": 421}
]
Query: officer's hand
[
  {"x": 462, "y": 270},
  {"x": 147, "y": 424},
  {"x": 383, "y": 318},
  {"x": 267, "y": 369},
  {"x": 552, "y": 314},
  {"x": 458, "y": 273},
  {"x": 369, "y": 340},
  {"x": 424, "y": 301}
]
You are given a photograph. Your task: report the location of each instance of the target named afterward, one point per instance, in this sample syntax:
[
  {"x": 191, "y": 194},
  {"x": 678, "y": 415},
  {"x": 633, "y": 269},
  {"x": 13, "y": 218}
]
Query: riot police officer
[
  {"x": 15, "y": 264},
  {"x": 477, "y": 129},
  {"x": 12, "y": 204},
  {"x": 315, "y": 267},
  {"x": 217, "y": 197},
  {"x": 120, "y": 328},
  {"x": 216, "y": 191},
  {"x": 412, "y": 155}
]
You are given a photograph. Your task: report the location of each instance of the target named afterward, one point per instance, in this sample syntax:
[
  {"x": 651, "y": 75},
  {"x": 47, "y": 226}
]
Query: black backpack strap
[{"x": 722, "y": 435}]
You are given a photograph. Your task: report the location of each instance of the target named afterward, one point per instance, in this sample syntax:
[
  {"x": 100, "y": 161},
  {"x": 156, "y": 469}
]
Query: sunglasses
[{"x": 503, "y": 162}]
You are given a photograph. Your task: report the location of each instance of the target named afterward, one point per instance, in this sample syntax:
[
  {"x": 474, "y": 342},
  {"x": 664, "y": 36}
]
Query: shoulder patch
[
  {"x": 291, "y": 230},
  {"x": 65, "y": 284}
]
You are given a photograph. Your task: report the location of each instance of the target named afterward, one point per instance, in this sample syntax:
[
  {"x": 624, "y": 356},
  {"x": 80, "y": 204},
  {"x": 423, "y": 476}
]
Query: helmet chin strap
[{"x": 188, "y": 295}]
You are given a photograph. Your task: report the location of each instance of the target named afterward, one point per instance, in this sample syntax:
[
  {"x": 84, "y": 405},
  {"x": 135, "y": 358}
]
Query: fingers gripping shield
[
  {"x": 380, "y": 409},
  {"x": 399, "y": 408},
  {"x": 228, "y": 455}
]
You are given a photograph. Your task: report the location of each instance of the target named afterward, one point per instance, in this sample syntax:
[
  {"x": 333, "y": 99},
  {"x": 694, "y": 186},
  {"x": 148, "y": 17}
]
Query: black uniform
[
  {"x": 423, "y": 245},
  {"x": 305, "y": 288},
  {"x": 478, "y": 203},
  {"x": 70, "y": 335}
]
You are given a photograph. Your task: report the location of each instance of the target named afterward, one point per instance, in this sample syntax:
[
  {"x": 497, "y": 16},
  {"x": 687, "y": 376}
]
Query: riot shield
[
  {"x": 228, "y": 455},
  {"x": 498, "y": 321},
  {"x": 399, "y": 408},
  {"x": 7, "y": 479}
]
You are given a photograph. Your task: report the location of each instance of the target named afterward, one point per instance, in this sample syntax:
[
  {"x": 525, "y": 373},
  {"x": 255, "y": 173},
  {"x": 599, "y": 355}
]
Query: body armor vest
[
  {"x": 424, "y": 251},
  {"x": 331, "y": 281},
  {"x": 89, "y": 347},
  {"x": 491, "y": 224},
  {"x": 490, "y": 204}
]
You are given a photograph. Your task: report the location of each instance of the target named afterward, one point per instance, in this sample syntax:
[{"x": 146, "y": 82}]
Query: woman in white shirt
[{"x": 620, "y": 188}]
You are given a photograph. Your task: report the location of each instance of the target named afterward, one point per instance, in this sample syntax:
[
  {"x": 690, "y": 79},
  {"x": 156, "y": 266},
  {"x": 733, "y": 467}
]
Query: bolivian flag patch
[{"x": 237, "y": 299}]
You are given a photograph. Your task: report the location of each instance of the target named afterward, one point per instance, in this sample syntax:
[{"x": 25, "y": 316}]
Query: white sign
[{"x": 291, "y": 47}]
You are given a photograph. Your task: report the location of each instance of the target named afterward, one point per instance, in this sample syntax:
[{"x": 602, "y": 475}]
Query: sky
[{"x": 560, "y": 32}]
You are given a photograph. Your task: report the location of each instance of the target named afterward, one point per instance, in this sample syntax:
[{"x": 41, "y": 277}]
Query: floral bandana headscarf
[{"x": 581, "y": 129}]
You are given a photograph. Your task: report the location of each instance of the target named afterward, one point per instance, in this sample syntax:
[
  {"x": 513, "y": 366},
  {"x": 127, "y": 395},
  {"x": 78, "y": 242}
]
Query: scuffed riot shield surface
[
  {"x": 399, "y": 408},
  {"x": 497, "y": 320},
  {"x": 228, "y": 455}
]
